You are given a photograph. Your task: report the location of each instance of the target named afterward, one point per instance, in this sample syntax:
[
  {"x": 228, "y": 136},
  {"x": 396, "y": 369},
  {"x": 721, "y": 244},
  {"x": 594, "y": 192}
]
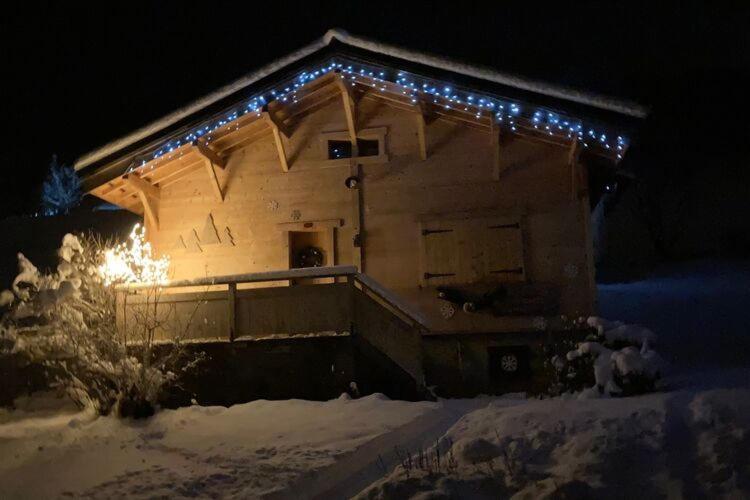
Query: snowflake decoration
[
  {"x": 447, "y": 310},
  {"x": 571, "y": 270},
  {"x": 540, "y": 323}
]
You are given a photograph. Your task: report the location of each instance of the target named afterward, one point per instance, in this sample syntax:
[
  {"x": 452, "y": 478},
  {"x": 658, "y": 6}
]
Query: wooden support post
[
  {"x": 352, "y": 304},
  {"x": 148, "y": 194},
  {"x": 277, "y": 139},
  {"x": 350, "y": 109},
  {"x": 214, "y": 181},
  {"x": 575, "y": 170},
  {"x": 356, "y": 220},
  {"x": 232, "y": 312},
  {"x": 212, "y": 160},
  {"x": 149, "y": 210},
  {"x": 120, "y": 312},
  {"x": 422, "y": 136},
  {"x": 497, "y": 167},
  {"x": 424, "y": 117},
  {"x": 589, "y": 241},
  {"x": 493, "y": 130}
]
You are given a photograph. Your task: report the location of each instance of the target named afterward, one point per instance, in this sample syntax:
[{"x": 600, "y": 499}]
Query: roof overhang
[{"x": 405, "y": 78}]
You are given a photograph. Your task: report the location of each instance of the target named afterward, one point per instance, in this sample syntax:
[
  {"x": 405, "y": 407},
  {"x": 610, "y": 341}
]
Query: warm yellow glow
[{"x": 133, "y": 262}]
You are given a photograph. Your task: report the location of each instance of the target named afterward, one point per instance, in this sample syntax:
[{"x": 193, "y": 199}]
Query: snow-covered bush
[
  {"x": 621, "y": 357},
  {"x": 67, "y": 320},
  {"x": 61, "y": 190}
]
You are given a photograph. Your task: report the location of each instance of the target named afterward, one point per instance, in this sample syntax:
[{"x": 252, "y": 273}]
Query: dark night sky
[{"x": 77, "y": 76}]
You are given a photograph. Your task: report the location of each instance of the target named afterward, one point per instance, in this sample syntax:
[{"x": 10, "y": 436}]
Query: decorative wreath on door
[{"x": 309, "y": 257}]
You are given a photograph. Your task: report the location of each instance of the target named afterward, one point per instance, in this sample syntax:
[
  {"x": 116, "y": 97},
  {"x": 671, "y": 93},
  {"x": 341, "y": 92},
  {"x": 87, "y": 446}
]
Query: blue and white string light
[{"x": 504, "y": 112}]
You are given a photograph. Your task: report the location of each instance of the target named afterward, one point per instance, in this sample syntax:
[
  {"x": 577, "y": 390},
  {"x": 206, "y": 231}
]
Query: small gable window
[
  {"x": 339, "y": 149},
  {"x": 336, "y": 147},
  {"x": 343, "y": 149},
  {"x": 368, "y": 147}
]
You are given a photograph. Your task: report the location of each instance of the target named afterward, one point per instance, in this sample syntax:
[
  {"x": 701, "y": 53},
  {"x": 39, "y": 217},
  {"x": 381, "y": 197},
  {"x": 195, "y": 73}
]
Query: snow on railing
[
  {"x": 391, "y": 299},
  {"x": 280, "y": 275},
  {"x": 385, "y": 297}
]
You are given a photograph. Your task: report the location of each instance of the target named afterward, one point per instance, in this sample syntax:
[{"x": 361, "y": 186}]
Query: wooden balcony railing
[{"x": 220, "y": 308}]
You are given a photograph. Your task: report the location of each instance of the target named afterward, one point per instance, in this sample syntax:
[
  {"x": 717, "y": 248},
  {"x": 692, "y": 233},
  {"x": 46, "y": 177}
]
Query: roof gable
[{"x": 506, "y": 98}]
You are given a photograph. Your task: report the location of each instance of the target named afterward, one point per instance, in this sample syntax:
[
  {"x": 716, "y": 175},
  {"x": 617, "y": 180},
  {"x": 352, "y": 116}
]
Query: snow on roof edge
[
  {"x": 177, "y": 115},
  {"x": 600, "y": 101},
  {"x": 479, "y": 72}
]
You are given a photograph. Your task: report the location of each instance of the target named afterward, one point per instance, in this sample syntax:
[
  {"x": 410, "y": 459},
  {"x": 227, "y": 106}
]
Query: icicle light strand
[{"x": 505, "y": 113}]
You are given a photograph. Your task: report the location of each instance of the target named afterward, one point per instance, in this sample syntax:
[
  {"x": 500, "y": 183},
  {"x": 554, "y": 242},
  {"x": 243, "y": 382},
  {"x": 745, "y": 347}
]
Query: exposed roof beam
[
  {"x": 273, "y": 118},
  {"x": 210, "y": 155},
  {"x": 277, "y": 139},
  {"x": 142, "y": 185}
]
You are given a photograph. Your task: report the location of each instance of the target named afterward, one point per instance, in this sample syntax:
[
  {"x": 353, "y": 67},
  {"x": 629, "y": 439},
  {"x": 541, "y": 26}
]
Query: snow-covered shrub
[
  {"x": 568, "y": 375},
  {"x": 621, "y": 357},
  {"x": 67, "y": 320},
  {"x": 61, "y": 190}
]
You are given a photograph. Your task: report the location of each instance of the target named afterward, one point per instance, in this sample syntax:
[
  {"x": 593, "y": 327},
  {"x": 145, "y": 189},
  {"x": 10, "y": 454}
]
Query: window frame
[{"x": 370, "y": 134}]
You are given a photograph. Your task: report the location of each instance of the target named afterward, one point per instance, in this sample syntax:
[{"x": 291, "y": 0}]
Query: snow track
[{"x": 366, "y": 464}]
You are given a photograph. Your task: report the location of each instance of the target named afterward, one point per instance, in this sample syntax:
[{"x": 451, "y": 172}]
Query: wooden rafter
[
  {"x": 148, "y": 194},
  {"x": 179, "y": 173},
  {"x": 249, "y": 132},
  {"x": 267, "y": 117}
]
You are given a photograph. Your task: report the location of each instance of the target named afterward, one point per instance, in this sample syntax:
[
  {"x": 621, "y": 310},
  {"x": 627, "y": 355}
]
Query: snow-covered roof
[{"x": 601, "y": 102}]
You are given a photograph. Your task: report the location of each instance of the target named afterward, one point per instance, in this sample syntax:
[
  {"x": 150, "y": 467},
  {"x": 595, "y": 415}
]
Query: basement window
[{"x": 343, "y": 149}]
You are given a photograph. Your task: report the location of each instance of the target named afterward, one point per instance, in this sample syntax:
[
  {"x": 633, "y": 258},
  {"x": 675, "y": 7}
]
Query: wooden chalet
[{"x": 432, "y": 215}]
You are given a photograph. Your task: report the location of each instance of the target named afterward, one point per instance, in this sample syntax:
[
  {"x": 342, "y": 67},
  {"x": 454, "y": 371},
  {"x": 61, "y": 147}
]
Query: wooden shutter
[
  {"x": 468, "y": 251},
  {"x": 439, "y": 253},
  {"x": 503, "y": 240}
]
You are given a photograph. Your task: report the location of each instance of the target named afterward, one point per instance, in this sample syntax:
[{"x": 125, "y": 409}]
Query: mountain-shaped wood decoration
[
  {"x": 209, "y": 235},
  {"x": 192, "y": 244},
  {"x": 228, "y": 239},
  {"x": 179, "y": 244}
]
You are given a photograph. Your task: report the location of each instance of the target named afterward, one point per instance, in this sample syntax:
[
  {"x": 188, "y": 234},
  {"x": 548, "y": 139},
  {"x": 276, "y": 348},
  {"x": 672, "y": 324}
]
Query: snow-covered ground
[
  {"x": 691, "y": 440},
  {"x": 245, "y": 451},
  {"x": 677, "y": 445}
]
